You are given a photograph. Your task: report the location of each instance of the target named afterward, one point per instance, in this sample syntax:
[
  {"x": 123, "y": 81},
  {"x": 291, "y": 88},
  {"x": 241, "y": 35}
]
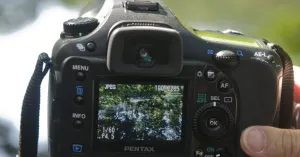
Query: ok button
[{"x": 213, "y": 123}]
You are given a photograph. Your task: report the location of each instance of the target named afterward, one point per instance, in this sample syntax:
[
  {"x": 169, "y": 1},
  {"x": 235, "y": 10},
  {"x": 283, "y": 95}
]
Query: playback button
[{"x": 77, "y": 148}]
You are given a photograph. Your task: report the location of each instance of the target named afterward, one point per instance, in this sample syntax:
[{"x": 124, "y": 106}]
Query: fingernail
[{"x": 255, "y": 139}]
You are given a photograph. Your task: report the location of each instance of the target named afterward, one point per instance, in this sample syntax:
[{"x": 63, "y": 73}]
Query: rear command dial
[{"x": 212, "y": 120}]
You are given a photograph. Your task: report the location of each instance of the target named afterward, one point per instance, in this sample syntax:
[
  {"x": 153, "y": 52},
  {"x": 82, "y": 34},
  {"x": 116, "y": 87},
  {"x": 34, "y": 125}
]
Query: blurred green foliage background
[{"x": 275, "y": 20}]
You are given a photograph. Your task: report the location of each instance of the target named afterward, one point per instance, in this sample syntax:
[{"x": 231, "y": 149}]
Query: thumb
[{"x": 265, "y": 141}]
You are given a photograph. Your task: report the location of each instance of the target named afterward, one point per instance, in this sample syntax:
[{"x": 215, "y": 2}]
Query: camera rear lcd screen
[{"x": 141, "y": 112}]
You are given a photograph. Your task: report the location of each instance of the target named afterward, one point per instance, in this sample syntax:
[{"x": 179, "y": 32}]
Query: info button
[{"x": 78, "y": 124}]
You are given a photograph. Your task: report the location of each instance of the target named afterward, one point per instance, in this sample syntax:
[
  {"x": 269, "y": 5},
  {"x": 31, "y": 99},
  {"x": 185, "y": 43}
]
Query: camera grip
[{"x": 259, "y": 89}]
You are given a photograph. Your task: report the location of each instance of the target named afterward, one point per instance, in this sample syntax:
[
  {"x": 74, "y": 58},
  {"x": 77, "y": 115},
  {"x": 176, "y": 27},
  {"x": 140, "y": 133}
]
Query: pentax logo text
[{"x": 138, "y": 149}]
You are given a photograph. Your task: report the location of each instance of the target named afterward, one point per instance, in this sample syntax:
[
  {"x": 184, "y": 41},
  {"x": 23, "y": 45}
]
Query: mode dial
[
  {"x": 80, "y": 26},
  {"x": 212, "y": 120},
  {"x": 226, "y": 58}
]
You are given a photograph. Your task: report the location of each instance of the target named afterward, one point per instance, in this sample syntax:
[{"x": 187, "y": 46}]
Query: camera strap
[
  {"x": 286, "y": 108},
  {"x": 29, "y": 127}
]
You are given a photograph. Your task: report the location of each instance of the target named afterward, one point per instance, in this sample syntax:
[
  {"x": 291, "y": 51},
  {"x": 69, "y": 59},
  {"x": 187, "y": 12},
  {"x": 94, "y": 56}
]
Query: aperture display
[{"x": 140, "y": 112}]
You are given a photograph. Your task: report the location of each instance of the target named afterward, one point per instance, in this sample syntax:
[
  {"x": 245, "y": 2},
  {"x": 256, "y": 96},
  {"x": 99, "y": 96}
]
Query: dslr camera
[{"x": 128, "y": 79}]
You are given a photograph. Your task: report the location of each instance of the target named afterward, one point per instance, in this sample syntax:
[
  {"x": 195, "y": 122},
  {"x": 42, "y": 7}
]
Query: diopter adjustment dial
[
  {"x": 80, "y": 26},
  {"x": 212, "y": 120}
]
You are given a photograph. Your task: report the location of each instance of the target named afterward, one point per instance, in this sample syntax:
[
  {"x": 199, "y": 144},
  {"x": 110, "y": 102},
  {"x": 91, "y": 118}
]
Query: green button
[
  {"x": 201, "y": 98},
  {"x": 210, "y": 150}
]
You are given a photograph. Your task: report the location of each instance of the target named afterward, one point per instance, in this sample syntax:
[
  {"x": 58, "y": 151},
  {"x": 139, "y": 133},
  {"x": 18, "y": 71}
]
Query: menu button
[{"x": 80, "y": 76}]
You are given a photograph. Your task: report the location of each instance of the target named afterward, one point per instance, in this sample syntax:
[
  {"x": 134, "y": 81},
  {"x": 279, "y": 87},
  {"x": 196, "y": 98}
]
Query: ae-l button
[
  {"x": 271, "y": 58},
  {"x": 224, "y": 86}
]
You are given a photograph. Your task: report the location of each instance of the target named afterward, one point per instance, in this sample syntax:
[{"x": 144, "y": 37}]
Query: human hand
[{"x": 265, "y": 141}]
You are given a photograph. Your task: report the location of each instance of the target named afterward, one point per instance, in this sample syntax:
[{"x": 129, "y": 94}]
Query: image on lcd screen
[{"x": 140, "y": 112}]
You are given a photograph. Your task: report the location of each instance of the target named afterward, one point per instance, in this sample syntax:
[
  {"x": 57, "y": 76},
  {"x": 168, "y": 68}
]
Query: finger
[
  {"x": 297, "y": 84},
  {"x": 265, "y": 141}
]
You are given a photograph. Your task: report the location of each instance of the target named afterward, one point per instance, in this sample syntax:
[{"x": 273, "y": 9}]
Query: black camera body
[{"x": 128, "y": 79}]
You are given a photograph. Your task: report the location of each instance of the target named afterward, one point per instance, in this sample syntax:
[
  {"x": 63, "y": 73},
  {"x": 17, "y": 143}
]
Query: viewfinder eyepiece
[{"x": 145, "y": 50}]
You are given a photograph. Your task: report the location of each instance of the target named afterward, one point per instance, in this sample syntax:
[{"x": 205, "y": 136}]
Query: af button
[{"x": 224, "y": 86}]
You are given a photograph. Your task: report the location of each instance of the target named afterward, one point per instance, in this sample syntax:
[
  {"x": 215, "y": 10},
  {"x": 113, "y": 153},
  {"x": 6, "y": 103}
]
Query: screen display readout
[{"x": 140, "y": 112}]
